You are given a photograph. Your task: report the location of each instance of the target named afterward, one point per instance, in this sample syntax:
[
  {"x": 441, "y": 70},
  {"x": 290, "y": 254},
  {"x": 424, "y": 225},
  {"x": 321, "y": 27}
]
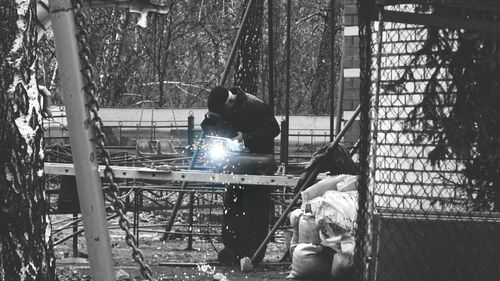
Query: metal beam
[
  {"x": 440, "y": 21},
  {"x": 184, "y": 176},
  {"x": 84, "y": 155},
  {"x": 470, "y": 3}
]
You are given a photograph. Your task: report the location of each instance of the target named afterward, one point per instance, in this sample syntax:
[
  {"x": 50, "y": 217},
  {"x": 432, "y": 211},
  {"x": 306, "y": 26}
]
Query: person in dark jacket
[{"x": 246, "y": 208}]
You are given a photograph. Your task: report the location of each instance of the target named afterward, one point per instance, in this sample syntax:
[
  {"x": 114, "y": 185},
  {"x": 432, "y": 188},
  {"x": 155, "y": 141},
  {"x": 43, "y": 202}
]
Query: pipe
[
  {"x": 190, "y": 229},
  {"x": 287, "y": 90},
  {"x": 77, "y": 233},
  {"x": 270, "y": 50},
  {"x": 340, "y": 105},
  {"x": 66, "y": 226},
  {"x": 310, "y": 178},
  {"x": 84, "y": 154},
  {"x": 69, "y": 236},
  {"x": 332, "y": 70},
  {"x": 235, "y": 44},
  {"x": 340, "y": 85},
  {"x": 346, "y": 126}
]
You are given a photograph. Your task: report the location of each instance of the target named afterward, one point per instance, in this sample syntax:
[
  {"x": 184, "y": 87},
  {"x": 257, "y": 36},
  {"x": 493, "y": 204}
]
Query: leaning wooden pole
[
  {"x": 306, "y": 183},
  {"x": 80, "y": 134},
  {"x": 236, "y": 42}
]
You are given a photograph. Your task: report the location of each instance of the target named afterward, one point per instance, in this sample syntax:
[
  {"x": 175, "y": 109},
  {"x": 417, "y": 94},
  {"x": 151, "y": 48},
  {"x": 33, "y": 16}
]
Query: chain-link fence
[{"x": 423, "y": 214}]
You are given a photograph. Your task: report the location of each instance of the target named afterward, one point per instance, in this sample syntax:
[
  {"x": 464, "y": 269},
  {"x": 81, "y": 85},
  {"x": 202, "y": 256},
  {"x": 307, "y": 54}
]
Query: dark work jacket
[{"x": 256, "y": 121}]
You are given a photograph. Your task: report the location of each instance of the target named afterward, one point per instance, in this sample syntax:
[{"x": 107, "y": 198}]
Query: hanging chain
[{"x": 100, "y": 140}]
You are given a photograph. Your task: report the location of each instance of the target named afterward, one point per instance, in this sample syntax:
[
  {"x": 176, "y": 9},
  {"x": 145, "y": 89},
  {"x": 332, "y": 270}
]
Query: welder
[{"x": 244, "y": 118}]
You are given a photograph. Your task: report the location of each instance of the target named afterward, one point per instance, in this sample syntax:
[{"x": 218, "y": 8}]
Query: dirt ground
[{"x": 156, "y": 251}]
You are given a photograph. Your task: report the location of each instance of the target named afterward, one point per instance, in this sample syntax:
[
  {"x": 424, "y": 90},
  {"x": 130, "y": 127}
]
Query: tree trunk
[
  {"x": 248, "y": 53},
  {"x": 320, "y": 96},
  {"x": 25, "y": 236}
]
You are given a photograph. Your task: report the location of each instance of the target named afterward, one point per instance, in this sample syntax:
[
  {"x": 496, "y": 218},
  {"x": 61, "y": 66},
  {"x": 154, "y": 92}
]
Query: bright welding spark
[{"x": 217, "y": 151}]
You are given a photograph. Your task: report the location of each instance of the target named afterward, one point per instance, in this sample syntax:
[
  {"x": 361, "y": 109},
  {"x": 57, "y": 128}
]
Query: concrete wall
[{"x": 132, "y": 117}]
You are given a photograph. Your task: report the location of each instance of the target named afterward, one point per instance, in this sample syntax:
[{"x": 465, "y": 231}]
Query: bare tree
[
  {"x": 247, "y": 61},
  {"x": 320, "y": 97},
  {"x": 25, "y": 237},
  {"x": 112, "y": 45},
  {"x": 160, "y": 43}
]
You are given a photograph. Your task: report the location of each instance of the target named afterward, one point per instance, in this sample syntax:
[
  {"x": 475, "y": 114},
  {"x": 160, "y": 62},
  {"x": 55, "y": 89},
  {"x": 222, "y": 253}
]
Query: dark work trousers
[{"x": 246, "y": 219}]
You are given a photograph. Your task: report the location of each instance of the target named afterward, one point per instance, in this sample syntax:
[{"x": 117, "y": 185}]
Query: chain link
[{"x": 100, "y": 140}]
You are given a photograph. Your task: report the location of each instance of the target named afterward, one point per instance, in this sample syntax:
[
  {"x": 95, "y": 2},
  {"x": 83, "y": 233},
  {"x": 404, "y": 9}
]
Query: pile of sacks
[{"x": 322, "y": 244}]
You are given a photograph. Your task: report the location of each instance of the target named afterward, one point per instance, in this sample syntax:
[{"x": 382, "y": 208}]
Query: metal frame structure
[
  {"x": 81, "y": 133},
  {"x": 86, "y": 168}
]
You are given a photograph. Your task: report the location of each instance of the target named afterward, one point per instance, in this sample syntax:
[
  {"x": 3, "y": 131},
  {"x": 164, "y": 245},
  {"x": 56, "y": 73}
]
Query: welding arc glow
[{"x": 217, "y": 151}]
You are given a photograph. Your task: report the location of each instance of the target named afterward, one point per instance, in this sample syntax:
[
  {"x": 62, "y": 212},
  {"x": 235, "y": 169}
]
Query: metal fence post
[
  {"x": 284, "y": 144},
  {"x": 75, "y": 238},
  {"x": 190, "y": 132},
  {"x": 136, "y": 215},
  {"x": 84, "y": 155},
  {"x": 191, "y": 220},
  {"x": 120, "y": 124}
]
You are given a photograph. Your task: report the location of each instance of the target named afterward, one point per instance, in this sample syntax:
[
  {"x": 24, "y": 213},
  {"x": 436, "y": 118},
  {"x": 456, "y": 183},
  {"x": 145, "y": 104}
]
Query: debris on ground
[
  {"x": 246, "y": 264},
  {"x": 122, "y": 275},
  {"x": 220, "y": 277}
]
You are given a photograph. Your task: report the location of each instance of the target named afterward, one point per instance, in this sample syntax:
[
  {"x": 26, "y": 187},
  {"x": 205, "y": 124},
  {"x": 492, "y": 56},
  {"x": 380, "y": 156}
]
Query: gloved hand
[{"x": 239, "y": 136}]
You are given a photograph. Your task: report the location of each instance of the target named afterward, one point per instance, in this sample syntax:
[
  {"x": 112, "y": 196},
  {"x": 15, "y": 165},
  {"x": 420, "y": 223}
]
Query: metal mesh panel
[
  {"x": 404, "y": 178},
  {"x": 421, "y": 226}
]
